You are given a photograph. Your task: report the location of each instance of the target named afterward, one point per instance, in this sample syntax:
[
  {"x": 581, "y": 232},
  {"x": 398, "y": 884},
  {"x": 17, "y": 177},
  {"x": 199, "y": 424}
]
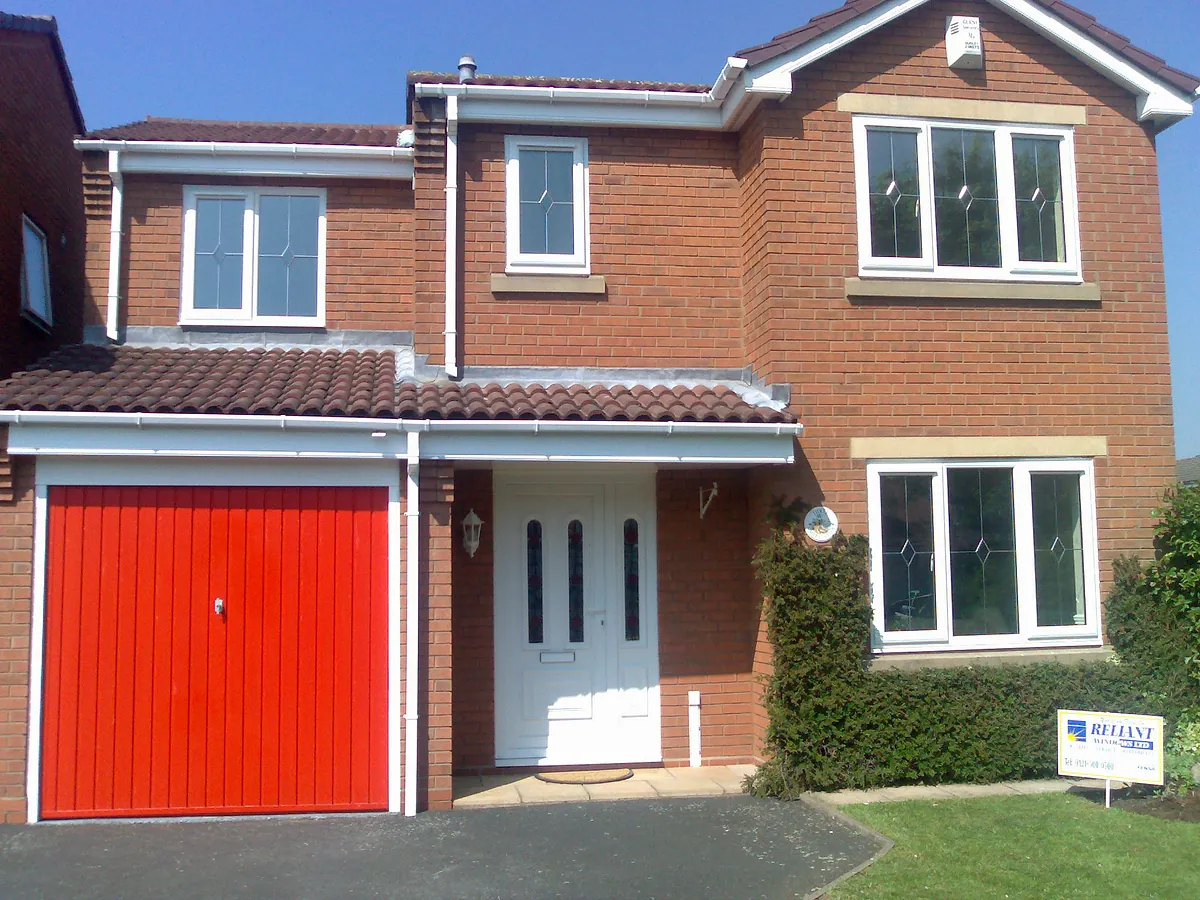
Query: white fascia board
[
  {"x": 101, "y": 435},
  {"x": 715, "y": 110},
  {"x": 230, "y": 158},
  {"x": 1156, "y": 99}
]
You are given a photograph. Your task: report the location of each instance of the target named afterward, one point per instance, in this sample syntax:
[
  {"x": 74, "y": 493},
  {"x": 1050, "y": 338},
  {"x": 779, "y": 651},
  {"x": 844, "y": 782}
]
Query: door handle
[{"x": 219, "y": 606}]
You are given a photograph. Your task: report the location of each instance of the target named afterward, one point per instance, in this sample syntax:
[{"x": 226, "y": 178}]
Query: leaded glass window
[
  {"x": 547, "y": 201},
  {"x": 220, "y": 239},
  {"x": 575, "y": 581},
  {"x": 895, "y": 193},
  {"x": 983, "y": 551},
  {"x": 910, "y": 601},
  {"x": 287, "y": 255},
  {"x": 1058, "y": 549},
  {"x": 1041, "y": 225},
  {"x": 966, "y": 198},
  {"x": 633, "y": 587},
  {"x": 533, "y": 581}
]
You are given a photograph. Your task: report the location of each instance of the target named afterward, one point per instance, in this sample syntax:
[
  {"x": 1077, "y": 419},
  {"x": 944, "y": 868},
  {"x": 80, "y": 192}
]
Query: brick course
[{"x": 16, "y": 601}]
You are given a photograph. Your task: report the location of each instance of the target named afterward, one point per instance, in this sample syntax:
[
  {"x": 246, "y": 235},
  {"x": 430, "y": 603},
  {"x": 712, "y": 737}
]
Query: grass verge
[{"x": 1046, "y": 846}]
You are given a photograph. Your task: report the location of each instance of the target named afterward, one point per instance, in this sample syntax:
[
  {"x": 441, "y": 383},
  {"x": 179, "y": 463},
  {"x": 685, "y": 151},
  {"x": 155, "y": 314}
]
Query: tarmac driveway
[{"x": 731, "y": 848}]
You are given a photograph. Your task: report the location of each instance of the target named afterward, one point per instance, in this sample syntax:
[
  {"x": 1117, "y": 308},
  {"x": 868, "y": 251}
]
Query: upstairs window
[
  {"x": 35, "y": 274},
  {"x": 966, "y": 201},
  {"x": 253, "y": 256},
  {"x": 546, "y": 204}
]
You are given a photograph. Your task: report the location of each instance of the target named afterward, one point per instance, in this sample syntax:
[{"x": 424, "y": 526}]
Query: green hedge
[{"x": 834, "y": 724}]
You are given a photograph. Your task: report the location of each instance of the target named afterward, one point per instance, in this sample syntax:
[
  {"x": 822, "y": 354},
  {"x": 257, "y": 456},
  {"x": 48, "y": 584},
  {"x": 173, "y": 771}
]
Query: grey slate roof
[{"x": 1188, "y": 470}]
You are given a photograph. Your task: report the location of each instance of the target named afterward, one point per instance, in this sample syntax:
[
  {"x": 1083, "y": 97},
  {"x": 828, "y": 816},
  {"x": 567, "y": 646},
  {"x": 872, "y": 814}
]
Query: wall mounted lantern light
[{"x": 472, "y": 529}]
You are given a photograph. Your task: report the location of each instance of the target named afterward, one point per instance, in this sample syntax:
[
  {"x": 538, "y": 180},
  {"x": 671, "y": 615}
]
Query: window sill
[
  {"x": 502, "y": 283},
  {"x": 922, "y": 289},
  {"x": 37, "y": 321},
  {"x": 948, "y": 659},
  {"x": 255, "y": 324}
]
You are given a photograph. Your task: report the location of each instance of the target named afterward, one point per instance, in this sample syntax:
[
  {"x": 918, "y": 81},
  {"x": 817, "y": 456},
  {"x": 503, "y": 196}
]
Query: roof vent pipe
[{"x": 466, "y": 69}]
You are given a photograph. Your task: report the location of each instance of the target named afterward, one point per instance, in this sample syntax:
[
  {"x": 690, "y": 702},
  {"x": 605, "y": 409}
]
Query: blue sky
[{"x": 345, "y": 62}]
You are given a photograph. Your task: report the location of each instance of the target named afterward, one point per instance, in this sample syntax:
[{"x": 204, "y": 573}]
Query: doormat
[{"x": 592, "y": 776}]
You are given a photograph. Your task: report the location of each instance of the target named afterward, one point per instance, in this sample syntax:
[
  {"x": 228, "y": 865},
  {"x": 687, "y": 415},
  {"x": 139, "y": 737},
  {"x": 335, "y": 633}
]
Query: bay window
[
  {"x": 979, "y": 555},
  {"x": 253, "y": 256},
  {"x": 966, "y": 201}
]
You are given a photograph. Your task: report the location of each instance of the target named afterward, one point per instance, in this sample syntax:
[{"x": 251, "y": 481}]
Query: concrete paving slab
[
  {"x": 1043, "y": 786},
  {"x": 915, "y": 792},
  {"x": 506, "y": 795},
  {"x": 711, "y": 849},
  {"x": 621, "y": 790},
  {"x": 967, "y": 791},
  {"x": 848, "y": 797},
  {"x": 693, "y": 786},
  {"x": 534, "y": 791}
]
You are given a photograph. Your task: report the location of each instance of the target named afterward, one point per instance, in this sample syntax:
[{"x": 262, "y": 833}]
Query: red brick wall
[
  {"x": 665, "y": 227},
  {"x": 437, "y": 656},
  {"x": 708, "y": 615},
  {"x": 39, "y": 177},
  {"x": 960, "y": 368},
  {"x": 369, "y": 247},
  {"x": 474, "y": 676},
  {"x": 16, "y": 599}
]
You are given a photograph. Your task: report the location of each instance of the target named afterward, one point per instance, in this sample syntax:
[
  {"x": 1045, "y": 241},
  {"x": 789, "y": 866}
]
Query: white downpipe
[
  {"x": 694, "y": 729},
  {"x": 412, "y": 573},
  {"x": 452, "y": 236},
  {"x": 113, "y": 315}
]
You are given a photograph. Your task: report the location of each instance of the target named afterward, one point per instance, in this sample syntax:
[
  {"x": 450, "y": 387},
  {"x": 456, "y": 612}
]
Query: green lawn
[{"x": 1052, "y": 845}]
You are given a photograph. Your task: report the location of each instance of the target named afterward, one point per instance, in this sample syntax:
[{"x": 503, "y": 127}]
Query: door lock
[{"x": 219, "y": 606}]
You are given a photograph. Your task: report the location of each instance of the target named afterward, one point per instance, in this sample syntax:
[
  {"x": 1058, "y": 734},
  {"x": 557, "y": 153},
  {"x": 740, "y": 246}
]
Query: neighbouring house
[
  {"x": 1187, "y": 471},
  {"x": 41, "y": 198},
  {"x": 402, "y": 450}
]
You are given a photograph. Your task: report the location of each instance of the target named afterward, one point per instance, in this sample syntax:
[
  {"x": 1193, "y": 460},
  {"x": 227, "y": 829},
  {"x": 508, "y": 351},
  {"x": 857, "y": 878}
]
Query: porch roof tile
[{"x": 359, "y": 383}]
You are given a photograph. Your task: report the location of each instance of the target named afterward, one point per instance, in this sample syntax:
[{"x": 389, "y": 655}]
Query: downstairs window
[{"x": 983, "y": 555}]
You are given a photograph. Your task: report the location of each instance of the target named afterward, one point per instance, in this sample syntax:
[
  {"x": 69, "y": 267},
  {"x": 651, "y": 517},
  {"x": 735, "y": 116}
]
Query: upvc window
[
  {"x": 966, "y": 201},
  {"x": 35, "y": 274},
  {"x": 253, "y": 256},
  {"x": 983, "y": 554},
  {"x": 546, "y": 204}
]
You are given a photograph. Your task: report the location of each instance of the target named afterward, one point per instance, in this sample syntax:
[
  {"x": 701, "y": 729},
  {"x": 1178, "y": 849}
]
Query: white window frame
[
  {"x": 247, "y": 315},
  {"x": 46, "y": 320},
  {"x": 1030, "y": 635},
  {"x": 577, "y": 263},
  {"x": 1012, "y": 268}
]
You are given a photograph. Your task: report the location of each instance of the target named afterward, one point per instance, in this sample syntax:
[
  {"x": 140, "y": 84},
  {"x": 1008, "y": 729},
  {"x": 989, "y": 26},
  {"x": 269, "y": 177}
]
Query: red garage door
[{"x": 157, "y": 704}]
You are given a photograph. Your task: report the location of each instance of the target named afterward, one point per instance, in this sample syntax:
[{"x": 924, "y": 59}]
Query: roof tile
[
  {"x": 360, "y": 383},
  {"x": 154, "y": 128}
]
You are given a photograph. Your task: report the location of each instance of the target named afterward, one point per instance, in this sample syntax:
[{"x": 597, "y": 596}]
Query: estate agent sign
[{"x": 1110, "y": 746}]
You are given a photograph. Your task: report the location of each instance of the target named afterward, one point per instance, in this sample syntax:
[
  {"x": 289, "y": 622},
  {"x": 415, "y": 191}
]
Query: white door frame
[{"x": 512, "y": 480}]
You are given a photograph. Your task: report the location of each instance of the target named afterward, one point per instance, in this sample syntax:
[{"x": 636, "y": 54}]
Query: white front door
[{"x": 576, "y": 617}]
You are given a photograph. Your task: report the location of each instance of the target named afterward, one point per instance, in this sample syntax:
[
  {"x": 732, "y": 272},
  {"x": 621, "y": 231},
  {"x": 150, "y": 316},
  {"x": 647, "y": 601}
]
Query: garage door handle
[{"x": 219, "y": 606}]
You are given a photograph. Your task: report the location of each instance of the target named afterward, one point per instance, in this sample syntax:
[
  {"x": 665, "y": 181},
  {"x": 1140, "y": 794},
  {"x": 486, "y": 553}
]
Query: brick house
[
  {"x": 41, "y": 200},
  {"x": 396, "y": 451}
]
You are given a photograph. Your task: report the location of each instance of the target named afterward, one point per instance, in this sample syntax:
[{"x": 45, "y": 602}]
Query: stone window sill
[
  {"x": 502, "y": 283},
  {"x": 1017, "y": 291},
  {"x": 948, "y": 659}
]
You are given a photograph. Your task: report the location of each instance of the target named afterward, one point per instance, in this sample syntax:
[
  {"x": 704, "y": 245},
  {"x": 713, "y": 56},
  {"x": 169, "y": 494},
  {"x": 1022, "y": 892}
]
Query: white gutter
[
  {"x": 346, "y": 423},
  {"x": 412, "y": 547},
  {"x": 116, "y": 223},
  {"x": 684, "y": 109},
  {"x": 240, "y": 148},
  {"x": 452, "y": 236}
]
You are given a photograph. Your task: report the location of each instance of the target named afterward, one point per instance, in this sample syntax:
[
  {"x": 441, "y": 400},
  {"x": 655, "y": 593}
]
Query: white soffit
[{"x": 1157, "y": 100}]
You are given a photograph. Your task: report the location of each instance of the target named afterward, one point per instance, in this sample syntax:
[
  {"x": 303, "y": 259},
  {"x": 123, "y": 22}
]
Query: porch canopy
[{"x": 91, "y": 400}]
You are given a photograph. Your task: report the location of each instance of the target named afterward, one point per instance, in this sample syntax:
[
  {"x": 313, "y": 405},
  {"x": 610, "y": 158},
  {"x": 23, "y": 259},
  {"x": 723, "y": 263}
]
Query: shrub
[
  {"x": 1173, "y": 579},
  {"x": 1183, "y": 754},
  {"x": 834, "y": 724}
]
